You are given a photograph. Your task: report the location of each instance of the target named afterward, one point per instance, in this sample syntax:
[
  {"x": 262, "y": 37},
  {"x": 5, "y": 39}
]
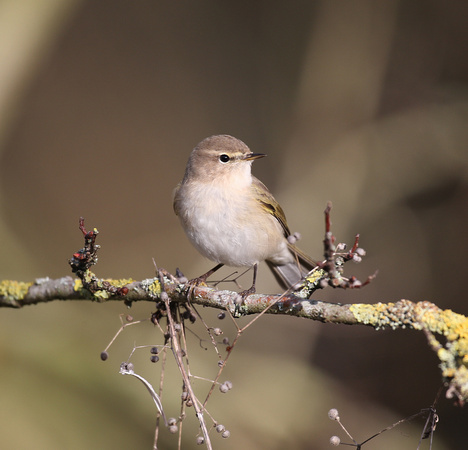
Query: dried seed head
[
  {"x": 323, "y": 283},
  {"x": 333, "y": 414},
  {"x": 335, "y": 282},
  {"x": 356, "y": 258},
  {"x": 293, "y": 238},
  {"x": 104, "y": 356},
  {"x": 226, "y": 434},
  {"x": 220, "y": 428},
  {"x": 335, "y": 441}
]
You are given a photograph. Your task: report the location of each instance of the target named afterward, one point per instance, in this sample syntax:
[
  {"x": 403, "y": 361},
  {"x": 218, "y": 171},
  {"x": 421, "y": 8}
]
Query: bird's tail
[{"x": 288, "y": 275}]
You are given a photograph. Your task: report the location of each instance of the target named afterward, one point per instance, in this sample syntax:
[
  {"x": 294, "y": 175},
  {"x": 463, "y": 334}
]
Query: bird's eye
[{"x": 224, "y": 158}]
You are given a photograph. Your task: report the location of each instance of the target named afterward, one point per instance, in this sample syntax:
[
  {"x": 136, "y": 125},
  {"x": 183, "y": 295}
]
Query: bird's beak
[{"x": 252, "y": 156}]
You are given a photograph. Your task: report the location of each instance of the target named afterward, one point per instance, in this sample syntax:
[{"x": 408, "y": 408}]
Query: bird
[{"x": 232, "y": 218}]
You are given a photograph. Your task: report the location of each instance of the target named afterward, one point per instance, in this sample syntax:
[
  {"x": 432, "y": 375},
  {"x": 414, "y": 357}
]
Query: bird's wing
[
  {"x": 175, "y": 205},
  {"x": 268, "y": 202}
]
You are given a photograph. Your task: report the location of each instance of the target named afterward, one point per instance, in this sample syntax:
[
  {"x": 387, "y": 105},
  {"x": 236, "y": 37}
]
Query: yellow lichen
[
  {"x": 120, "y": 282},
  {"x": 444, "y": 355},
  {"x": 154, "y": 288},
  {"x": 14, "y": 290},
  {"x": 377, "y": 315},
  {"x": 453, "y": 354},
  {"x": 315, "y": 276},
  {"x": 310, "y": 283},
  {"x": 78, "y": 285},
  {"x": 101, "y": 295}
]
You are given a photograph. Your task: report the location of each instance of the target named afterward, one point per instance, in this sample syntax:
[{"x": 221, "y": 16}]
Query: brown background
[{"x": 362, "y": 103}]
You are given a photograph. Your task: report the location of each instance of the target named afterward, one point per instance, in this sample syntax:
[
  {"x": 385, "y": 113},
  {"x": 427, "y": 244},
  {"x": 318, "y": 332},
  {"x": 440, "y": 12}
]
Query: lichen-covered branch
[
  {"x": 452, "y": 349},
  {"x": 424, "y": 316},
  {"x": 14, "y": 294}
]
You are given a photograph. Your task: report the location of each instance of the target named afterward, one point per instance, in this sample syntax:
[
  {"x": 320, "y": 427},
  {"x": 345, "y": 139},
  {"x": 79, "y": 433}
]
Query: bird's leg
[
  {"x": 251, "y": 290},
  {"x": 202, "y": 278},
  {"x": 242, "y": 295}
]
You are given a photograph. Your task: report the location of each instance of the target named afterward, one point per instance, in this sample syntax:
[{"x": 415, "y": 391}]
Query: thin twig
[{"x": 179, "y": 360}]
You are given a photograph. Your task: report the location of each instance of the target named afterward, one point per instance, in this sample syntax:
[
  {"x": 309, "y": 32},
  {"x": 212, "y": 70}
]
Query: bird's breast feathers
[{"x": 227, "y": 225}]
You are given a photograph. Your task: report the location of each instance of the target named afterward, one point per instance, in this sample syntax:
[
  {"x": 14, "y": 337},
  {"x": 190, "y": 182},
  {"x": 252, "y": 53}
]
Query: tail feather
[{"x": 288, "y": 275}]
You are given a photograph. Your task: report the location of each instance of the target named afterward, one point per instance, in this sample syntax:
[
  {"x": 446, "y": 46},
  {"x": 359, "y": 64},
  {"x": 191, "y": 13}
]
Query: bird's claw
[{"x": 240, "y": 301}]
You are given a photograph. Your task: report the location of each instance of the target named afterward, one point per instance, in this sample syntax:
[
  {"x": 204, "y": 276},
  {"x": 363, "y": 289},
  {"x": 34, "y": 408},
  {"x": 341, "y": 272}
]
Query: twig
[{"x": 185, "y": 376}]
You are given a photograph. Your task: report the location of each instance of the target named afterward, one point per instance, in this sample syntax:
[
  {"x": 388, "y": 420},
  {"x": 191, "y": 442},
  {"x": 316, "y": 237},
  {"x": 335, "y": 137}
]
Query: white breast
[{"x": 227, "y": 226}]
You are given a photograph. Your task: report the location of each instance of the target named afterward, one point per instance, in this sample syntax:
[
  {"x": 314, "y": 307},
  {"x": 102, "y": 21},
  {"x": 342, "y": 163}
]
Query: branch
[{"x": 423, "y": 316}]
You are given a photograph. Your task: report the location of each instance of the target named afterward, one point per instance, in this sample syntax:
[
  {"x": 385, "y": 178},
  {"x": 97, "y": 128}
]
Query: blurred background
[{"x": 361, "y": 103}]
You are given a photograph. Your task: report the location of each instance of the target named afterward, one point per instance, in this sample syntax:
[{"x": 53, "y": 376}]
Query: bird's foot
[
  {"x": 246, "y": 293},
  {"x": 193, "y": 283},
  {"x": 201, "y": 279},
  {"x": 240, "y": 301}
]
